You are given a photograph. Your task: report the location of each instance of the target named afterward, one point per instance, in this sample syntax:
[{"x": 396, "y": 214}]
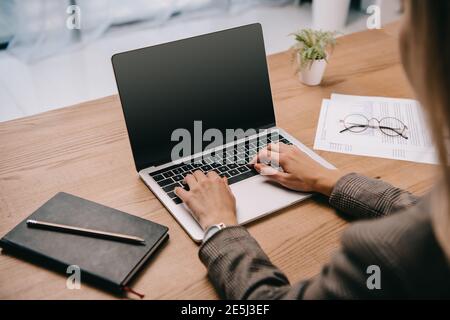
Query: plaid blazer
[{"x": 400, "y": 244}]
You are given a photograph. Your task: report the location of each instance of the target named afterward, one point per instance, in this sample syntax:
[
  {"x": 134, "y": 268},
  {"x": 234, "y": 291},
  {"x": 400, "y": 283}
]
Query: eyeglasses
[{"x": 389, "y": 126}]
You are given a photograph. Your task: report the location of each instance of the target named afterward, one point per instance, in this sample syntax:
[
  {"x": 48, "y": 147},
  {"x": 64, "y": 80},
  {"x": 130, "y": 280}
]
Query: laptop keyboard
[{"x": 231, "y": 162}]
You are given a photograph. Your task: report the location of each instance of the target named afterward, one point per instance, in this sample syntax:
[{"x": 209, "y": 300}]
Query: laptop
[{"x": 204, "y": 103}]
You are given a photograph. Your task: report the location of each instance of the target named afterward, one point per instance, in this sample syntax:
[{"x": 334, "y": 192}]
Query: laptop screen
[{"x": 220, "y": 79}]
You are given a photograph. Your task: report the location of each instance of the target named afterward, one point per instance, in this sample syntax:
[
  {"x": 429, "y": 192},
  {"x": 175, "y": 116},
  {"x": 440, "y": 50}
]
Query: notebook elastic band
[{"x": 128, "y": 289}]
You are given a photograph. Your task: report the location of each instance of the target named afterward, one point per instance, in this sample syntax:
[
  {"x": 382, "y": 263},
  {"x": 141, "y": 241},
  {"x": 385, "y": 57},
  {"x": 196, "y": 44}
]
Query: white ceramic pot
[
  {"x": 330, "y": 15},
  {"x": 312, "y": 74}
]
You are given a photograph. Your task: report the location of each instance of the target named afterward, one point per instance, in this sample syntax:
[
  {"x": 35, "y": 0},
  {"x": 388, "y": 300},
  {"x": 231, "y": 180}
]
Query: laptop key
[
  {"x": 187, "y": 167},
  {"x": 171, "y": 195},
  {"x": 177, "y": 171},
  {"x": 232, "y": 166},
  {"x": 225, "y": 174},
  {"x": 196, "y": 165},
  {"x": 243, "y": 169},
  {"x": 185, "y": 186},
  {"x": 240, "y": 154},
  {"x": 168, "y": 174},
  {"x": 234, "y": 172},
  {"x": 229, "y": 160},
  {"x": 178, "y": 177},
  {"x": 158, "y": 177},
  {"x": 165, "y": 182},
  {"x": 184, "y": 174},
  {"x": 242, "y": 176},
  {"x": 177, "y": 200},
  {"x": 223, "y": 169},
  {"x": 170, "y": 188},
  {"x": 206, "y": 168},
  {"x": 215, "y": 165}
]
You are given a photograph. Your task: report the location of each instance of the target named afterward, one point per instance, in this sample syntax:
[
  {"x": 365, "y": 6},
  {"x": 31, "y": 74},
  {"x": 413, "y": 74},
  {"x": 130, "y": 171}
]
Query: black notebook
[{"x": 109, "y": 264}]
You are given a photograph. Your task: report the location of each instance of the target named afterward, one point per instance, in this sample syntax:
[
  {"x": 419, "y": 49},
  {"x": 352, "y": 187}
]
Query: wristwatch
[{"x": 212, "y": 230}]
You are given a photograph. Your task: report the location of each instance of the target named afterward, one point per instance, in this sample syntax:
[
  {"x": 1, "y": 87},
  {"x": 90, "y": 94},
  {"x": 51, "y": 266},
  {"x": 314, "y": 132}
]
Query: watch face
[{"x": 212, "y": 230}]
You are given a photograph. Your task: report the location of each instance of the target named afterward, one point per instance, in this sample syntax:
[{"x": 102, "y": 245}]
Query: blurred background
[{"x": 46, "y": 64}]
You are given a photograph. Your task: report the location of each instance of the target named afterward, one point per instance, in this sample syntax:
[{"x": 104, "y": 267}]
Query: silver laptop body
[{"x": 222, "y": 80}]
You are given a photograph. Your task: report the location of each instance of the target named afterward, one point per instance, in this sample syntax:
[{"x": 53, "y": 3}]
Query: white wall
[{"x": 86, "y": 74}]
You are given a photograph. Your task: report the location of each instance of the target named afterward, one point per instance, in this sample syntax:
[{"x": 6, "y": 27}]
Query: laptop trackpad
[{"x": 258, "y": 196}]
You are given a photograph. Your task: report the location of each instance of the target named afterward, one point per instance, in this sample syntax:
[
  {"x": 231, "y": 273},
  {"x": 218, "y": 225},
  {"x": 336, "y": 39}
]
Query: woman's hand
[
  {"x": 301, "y": 172},
  {"x": 209, "y": 198}
]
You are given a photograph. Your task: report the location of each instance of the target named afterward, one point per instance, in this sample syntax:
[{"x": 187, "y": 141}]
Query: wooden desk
[{"x": 84, "y": 150}]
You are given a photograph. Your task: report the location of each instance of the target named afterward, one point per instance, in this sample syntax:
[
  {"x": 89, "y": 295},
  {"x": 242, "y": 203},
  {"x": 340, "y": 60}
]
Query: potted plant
[{"x": 311, "y": 54}]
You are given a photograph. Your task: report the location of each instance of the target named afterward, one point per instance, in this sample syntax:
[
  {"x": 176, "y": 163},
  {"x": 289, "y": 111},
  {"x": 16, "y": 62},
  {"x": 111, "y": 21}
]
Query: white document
[{"x": 372, "y": 142}]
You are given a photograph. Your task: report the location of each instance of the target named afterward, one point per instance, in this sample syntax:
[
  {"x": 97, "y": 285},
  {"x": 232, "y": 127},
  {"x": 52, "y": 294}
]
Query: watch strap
[{"x": 212, "y": 230}]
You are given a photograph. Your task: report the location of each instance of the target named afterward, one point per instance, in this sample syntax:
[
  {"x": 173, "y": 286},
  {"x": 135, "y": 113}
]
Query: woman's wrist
[
  {"x": 226, "y": 218},
  {"x": 326, "y": 183}
]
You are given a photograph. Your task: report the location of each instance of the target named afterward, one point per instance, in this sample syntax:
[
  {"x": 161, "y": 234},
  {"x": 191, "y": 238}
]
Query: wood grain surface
[{"x": 84, "y": 150}]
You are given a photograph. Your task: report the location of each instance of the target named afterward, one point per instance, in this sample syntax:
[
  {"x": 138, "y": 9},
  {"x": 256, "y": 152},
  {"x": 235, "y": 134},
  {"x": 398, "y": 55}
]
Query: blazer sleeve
[
  {"x": 363, "y": 197},
  {"x": 239, "y": 269}
]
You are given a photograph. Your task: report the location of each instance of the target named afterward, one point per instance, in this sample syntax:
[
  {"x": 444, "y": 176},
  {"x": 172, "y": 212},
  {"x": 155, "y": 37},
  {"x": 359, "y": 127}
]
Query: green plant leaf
[{"x": 313, "y": 45}]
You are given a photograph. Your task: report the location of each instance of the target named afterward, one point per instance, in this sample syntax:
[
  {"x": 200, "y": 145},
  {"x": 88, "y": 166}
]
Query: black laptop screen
[{"x": 220, "y": 79}]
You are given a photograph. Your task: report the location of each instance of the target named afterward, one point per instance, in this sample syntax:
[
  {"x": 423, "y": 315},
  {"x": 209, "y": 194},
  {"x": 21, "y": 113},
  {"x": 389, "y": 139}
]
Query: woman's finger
[
  {"x": 225, "y": 180},
  {"x": 278, "y": 147},
  {"x": 269, "y": 156},
  {"x": 257, "y": 157},
  {"x": 181, "y": 193},
  {"x": 270, "y": 172},
  {"x": 190, "y": 180},
  {"x": 263, "y": 155},
  {"x": 199, "y": 175},
  {"x": 212, "y": 174}
]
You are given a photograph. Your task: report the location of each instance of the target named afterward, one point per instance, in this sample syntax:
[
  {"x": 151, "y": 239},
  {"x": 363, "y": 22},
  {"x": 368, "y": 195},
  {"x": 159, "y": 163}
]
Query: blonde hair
[{"x": 425, "y": 51}]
